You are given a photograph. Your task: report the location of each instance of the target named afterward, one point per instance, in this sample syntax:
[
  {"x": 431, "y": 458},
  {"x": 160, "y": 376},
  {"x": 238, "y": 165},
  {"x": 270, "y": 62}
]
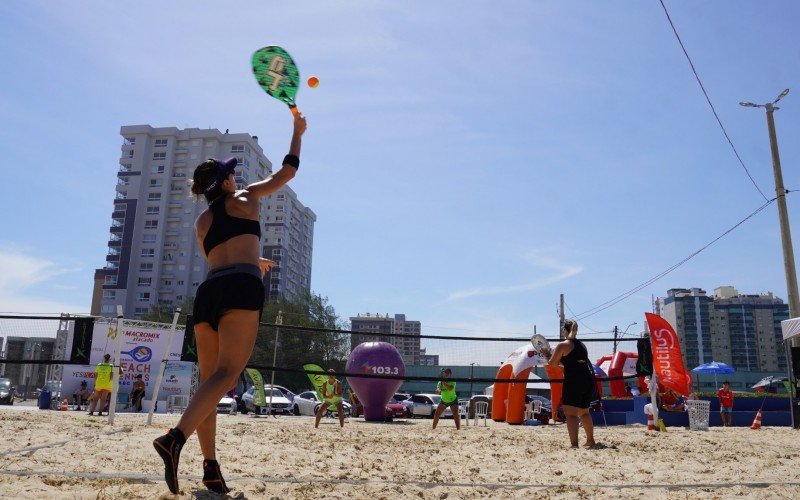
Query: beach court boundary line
[
  {"x": 62, "y": 443},
  {"x": 423, "y": 484}
]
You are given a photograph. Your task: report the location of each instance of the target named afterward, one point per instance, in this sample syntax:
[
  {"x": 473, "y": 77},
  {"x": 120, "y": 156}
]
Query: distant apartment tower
[
  {"x": 428, "y": 359},
  {"x": 689, "y": 312},
  {"x": 749, "y": 330},
  {"x": 153, "y": 258},
  {"x": 375, "y": 327},
  {"x": 28, "y": 376},
  {"x": 743, "y": 331}
]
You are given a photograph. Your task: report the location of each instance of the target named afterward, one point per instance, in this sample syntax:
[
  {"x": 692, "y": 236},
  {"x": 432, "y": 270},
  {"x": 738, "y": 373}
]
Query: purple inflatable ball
[{"x": 375, "y": 358}]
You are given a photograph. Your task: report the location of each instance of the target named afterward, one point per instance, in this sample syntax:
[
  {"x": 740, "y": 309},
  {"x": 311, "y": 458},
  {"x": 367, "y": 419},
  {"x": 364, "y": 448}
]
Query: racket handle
[{"x": 294, "y": 110}]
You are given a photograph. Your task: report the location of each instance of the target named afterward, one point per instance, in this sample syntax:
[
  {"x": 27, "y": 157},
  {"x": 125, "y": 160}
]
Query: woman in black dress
[{"x": 579, "y": 384}]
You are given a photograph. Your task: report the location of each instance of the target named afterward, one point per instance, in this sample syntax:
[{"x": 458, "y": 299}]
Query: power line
[
  {"x": 581, "y": 322},
  {"x": 702, "y": 87},
  {"x": 619, "y": 298}
]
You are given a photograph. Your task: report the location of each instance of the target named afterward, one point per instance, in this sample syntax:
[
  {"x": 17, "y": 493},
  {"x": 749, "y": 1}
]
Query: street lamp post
[
  {"x": 471, "y": 371},
  {"x": 616, "y": 331},
  {"x": 786, "y": 234}
]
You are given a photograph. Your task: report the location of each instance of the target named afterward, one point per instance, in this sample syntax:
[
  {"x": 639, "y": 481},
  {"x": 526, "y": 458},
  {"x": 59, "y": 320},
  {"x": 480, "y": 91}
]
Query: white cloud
[
  {"x": 538, "y": 259},
  {"x": 20, "y": 273}
]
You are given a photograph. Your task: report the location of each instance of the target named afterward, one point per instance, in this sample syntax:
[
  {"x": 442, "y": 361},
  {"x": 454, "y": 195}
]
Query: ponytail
[{"x": 571, "y": 328}]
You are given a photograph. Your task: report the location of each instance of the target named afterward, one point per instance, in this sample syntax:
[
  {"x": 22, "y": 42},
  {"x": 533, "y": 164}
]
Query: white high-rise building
[{"x": 153, "y": 258}]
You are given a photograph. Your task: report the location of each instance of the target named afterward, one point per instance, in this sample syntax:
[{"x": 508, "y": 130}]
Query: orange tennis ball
[{"x": 313, "y": 82}]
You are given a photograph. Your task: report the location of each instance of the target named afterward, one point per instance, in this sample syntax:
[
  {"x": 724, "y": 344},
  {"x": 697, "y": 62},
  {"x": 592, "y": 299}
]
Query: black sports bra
[{"x": 224, "y": 226}]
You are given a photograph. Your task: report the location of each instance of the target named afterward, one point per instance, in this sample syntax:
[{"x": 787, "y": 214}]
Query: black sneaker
[
  {"x": 169, "y": 448},
  {"x": 212, "y": 477}
]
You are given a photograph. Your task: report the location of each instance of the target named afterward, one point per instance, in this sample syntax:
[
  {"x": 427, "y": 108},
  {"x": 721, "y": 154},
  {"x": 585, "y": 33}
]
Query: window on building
[
  {"x": 109, "y": 294},
  {"x": 145, "y": 281},
  {"x": 153, "y": 196},
  {"x": 129, "y": 141},
  {"x": 107, "y": 309},
  {"x": 274, "y": 286},
  {"x": 110, "y": 280},
  {"x": 167, "y": 282},
  {"x": 146, "y": 267},
  {"x": 151, "y": 224},
  {"x": 281, "y": 197},
  {"x": 237, "y": 148},
  {"x": 155, "y": 182},
  {"x": 153, "y": 210},
  {"x": 279, "y": 208},
  {"x": 157, "y": 169},
  {"x": 160, "y": 143},
  {"x": 143, "y": 296},
  {"x": 148, "y": 252},
  {"x": 180, "y": 282},
  {"x": 159, "y": 156},
  {"x": 129, "y": 154}
]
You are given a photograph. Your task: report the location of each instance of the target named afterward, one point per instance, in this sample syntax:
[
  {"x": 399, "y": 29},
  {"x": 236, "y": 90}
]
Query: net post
[
  {"x": 115, "y": 378},
  {"x": 278, "y": 322},
  {"x": 162, "y": 367}
]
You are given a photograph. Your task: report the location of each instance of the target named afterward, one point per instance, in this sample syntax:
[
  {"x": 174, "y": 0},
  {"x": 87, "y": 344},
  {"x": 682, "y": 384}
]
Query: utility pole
[
  {"x": 616, "y": 331},
  {"x": 561, "y": 317},
  {"x": 786, "y": 234}
]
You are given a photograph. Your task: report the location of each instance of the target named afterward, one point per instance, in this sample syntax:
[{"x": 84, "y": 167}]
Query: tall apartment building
[
  {"x": 375, "y": 326},
  {"x": 26, "y": 377},
  {"x": 743, "y": 331},
  {"x": 153, "y": 258},
  {"x": 751, "y": 325},
  {"x": 689, "y": 312}
]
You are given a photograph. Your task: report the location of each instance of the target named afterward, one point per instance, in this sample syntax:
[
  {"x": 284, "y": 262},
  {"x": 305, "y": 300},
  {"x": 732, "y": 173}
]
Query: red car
[{"x": 394, "y": 410}]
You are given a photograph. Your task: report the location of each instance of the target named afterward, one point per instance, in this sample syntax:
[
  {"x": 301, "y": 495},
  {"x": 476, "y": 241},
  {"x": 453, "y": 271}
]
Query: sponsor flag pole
[
  {"x": 154, "y": 397},
  {"x": 115, "y": 367}
]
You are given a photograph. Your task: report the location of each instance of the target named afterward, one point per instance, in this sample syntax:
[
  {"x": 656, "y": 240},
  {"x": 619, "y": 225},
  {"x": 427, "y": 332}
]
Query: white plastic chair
[
  {"x": 532, "y": 409},
  {"x": 463, "y": 407},
  {"x": 481, "y": 411}
]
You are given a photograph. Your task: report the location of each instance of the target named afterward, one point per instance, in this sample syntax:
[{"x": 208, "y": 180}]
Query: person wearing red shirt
[{"x": 725, "y": 396}]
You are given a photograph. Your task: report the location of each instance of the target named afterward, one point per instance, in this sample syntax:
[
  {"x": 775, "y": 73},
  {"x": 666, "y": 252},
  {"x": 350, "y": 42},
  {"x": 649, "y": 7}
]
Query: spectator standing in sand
[
  {"x": 725, "y": 396},
  {"x": 137, "y": 394}
]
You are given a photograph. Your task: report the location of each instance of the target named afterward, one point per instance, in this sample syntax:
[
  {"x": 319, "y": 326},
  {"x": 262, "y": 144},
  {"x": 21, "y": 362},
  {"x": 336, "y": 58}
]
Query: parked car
[
  {"x": 547, "y": 407},
  {"x": 395, "y": 409},
  {"x": 227, "y": 405},
  {"x": 400, "y": 397},
  {"x": 6, "y": 392},
  {"x": 424, "y": 405},
  {"x": 307, "y": 403},
  {"x": 280, "y": 405}
]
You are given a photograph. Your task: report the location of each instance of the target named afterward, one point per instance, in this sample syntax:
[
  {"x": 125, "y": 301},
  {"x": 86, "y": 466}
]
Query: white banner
[{"x": 143, "y": 348}]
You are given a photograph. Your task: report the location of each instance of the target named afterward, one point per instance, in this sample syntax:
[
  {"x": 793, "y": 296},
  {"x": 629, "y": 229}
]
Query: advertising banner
[
  {"x": 143, "y": 348},
  {"x": 667, "y": 359}
]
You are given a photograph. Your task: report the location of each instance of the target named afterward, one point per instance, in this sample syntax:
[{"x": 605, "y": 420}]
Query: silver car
[{"x": 424, "y": 405}]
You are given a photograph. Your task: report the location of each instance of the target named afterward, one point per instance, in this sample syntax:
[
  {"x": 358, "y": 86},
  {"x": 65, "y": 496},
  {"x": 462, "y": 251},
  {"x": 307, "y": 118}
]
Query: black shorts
[
  {"x": 448, "y": 405},
  {"x": 232, "y": 287},
  {"x": 579, "y": 394}
]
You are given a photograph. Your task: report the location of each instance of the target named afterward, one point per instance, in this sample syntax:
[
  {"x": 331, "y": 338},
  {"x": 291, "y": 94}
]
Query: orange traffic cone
[
  {"x": 64, "y": 405},
  {"x": 650, "y": 425},
  {"x": 757, "y": 422}
]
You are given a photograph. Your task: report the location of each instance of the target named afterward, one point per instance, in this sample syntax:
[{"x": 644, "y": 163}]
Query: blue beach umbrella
[{"x": 714, "y": 367}]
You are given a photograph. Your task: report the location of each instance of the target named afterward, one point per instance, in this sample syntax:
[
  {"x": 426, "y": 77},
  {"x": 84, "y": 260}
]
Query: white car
[
  {"x": 424, "y": 405},
  {"x": 306, "y": 403},
  {"x": 279, "y": 402},
  {"x": 226, "y": 405}
]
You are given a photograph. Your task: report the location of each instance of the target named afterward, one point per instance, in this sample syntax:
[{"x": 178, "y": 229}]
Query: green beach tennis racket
[{"x": 277, "y": 74}]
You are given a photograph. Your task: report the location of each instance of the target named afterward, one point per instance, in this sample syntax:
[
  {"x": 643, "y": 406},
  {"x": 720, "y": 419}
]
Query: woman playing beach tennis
[
  {"x": 331, "y": 396},
  {"x": 447, "y": 389},
  {"x": 579, "y": 383},
  {"x": 228, "y": 305}
]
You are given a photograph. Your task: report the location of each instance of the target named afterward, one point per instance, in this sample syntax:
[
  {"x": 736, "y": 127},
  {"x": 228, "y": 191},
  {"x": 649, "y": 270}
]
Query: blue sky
[{"x": 467, "y": 162}]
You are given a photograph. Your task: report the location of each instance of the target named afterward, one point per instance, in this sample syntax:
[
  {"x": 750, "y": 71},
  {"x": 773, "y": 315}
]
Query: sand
[{"x": 286, "y": 457}]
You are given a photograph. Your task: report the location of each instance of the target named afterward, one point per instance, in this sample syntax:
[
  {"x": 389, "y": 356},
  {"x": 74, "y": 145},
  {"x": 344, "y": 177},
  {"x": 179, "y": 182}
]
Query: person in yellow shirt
[{"x": 103, "y": 377}]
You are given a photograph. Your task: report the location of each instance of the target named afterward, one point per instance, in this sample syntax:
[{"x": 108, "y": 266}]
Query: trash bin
[
  {"x": 45, "y": 398},
  {"x": 699, "y": 413}
]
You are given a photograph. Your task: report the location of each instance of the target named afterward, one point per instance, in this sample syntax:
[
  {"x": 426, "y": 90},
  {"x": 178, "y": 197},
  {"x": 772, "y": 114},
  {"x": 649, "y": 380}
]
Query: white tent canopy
[{"x": 790, "y": 328}]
